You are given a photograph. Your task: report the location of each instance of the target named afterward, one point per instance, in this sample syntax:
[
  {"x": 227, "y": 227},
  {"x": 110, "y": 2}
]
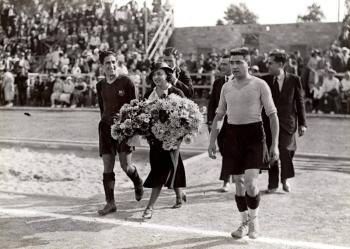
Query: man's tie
[{"x": 276, "y": 87}]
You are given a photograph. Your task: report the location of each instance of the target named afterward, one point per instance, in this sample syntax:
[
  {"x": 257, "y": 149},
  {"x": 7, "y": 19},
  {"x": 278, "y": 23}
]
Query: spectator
[
  {"x": 254, "y": 70},
  {"x": 48, "y": 89},
  {"x": 21, "y": 83},
  {"x": 76, "y": 69},
  {"x": 37, "y": 98},
  {"x": 79, "y": 92},
  {"x": 64, "y": 62},
  {"x": 346, "y": 58},
  {"x": 312, "y": 66},
  {"x": 94, "y": 41},
  {"x": 2, "y": 94},
  {"x": 181, "y": 78},
  {"x": 9, "y": 87},
  {"x": 254, "y": 57},
  {"x": 56, "y": 92},
  {"x": 331, "y": 88},
  {"x": 317, "y": 93},
  {"x": 192, "y": 64},
  {"x": 23, "y": 62},
  {"x": 68, "y": 88},
  {"x": 122, "y": 69},
  {"x": 300, "y": 62},
  {"x": 262, "y": 63},
  {"x": 337, "y": 60},
  {"x": 291, "y": 65},
  {"x": 56, "y": 59},
  {"x": 104, "y": 46},
  {"x": 345, "y": 90}
]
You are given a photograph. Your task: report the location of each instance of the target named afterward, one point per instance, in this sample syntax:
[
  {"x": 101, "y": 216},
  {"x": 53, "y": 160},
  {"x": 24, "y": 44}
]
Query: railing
[
  {"x": 161, "y": 37},
  {"x": 202, "y": 90},
  {"x": 141, "y": 87}
]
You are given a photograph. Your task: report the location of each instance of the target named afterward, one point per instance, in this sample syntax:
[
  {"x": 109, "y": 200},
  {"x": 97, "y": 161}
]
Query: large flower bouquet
[
  {"x": 169, "y": 121},
  {"x": 133, "y": 119}
]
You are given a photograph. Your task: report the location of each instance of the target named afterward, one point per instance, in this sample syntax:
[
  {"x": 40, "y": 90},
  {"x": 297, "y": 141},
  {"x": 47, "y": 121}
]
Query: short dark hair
[
  {"x": 279, "y": 56},
  {"x": 171, "y": 51},
  {"x": 103, "y": 54},
  {"x": 240, "y": 51},
  {"x": 226, "y": 56}
]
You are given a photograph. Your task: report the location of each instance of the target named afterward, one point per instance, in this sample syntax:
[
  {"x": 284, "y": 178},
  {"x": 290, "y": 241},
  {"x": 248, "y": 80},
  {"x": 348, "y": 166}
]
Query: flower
[{"x": 168, "y": 120}]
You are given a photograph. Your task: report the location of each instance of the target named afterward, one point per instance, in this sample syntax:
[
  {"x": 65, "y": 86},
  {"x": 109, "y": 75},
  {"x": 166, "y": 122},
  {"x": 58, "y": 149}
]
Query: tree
[
  {"x": 239, "y": 14},
  {"x": 219, "y": 22},
  {"x": 314, "y": 14}
]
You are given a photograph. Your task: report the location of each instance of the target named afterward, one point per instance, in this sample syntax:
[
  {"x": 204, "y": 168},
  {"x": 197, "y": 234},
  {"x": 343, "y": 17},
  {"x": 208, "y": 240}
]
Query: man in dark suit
[
  {"x": 181, "y": 79},
  {"x": 226, "y": 75},
  {"x": 287, "y": 94}
]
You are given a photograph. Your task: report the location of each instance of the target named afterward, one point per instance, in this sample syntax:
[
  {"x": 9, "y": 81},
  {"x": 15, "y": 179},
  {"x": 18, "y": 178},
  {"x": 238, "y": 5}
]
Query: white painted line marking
[
  {"x": 166, "y": 228},
  {"x": 42, "y": 220}
]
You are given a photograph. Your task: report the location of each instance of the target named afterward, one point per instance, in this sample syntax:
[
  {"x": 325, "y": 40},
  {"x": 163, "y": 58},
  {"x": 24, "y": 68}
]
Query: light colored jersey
[{"x": 243, "y": 103}]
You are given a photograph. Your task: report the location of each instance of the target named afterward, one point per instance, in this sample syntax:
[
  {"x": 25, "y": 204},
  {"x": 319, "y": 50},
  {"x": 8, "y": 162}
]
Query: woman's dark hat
[{"x": 160, "y": 65}]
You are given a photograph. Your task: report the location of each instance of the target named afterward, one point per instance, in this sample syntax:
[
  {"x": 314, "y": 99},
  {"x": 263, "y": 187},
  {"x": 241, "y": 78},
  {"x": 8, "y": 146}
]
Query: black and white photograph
[{"x": 174, "y": 124}]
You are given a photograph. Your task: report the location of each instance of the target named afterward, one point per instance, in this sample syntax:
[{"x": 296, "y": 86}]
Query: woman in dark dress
[{"x": 166, "y": 166}]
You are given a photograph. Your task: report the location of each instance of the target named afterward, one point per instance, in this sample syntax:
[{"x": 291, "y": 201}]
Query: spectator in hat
[
  {"x": 181, "y": 79},
  {"x": 331, "y": 86}
]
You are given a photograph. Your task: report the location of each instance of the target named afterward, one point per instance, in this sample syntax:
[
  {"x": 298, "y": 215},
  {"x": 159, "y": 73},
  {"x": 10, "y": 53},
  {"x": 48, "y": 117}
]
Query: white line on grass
[{"x": 166, "y": 228}]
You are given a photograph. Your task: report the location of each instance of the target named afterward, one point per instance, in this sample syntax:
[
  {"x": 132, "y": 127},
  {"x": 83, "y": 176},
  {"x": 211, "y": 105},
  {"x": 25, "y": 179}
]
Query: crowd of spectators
[
  {"x": 324, "y": 74},
  {"x": 66, "y": 39}
]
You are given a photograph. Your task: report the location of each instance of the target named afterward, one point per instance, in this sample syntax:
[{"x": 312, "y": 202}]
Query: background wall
[{"x": 301, "y": 36}]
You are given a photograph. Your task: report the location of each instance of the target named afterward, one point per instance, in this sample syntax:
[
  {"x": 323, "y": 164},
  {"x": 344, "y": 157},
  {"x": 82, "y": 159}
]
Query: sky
[{"x": 190, "y": 13}]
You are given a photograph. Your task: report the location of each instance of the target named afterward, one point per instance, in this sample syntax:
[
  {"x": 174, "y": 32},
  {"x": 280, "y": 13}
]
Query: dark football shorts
[
  {"x": 108, "y": 145},
  {"x": 243, "y": 148}
]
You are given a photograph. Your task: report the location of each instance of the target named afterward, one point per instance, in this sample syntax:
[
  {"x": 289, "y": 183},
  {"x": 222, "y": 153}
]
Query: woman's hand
[{"x": 212, "y": 150}]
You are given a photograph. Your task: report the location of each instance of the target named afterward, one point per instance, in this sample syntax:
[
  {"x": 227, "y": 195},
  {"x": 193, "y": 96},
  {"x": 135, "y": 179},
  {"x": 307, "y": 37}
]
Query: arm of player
[
  {"x": 214, "y": 134},
  {"x": 274, "y": 125}
]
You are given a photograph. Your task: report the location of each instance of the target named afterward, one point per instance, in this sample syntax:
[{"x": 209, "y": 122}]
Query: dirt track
[{"x": 314, "y": 215}]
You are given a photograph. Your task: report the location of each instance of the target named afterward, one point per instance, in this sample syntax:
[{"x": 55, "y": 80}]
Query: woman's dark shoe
[
  {"x": 108, "y": 208},
  {"x": 179, "y": 200},
  {"x": 147, "y": 214}
]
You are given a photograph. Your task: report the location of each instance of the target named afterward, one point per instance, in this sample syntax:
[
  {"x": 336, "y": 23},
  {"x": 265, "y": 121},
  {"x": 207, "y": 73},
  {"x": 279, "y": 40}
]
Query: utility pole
[
  {"x": 145, "y": 26},
  {"x": 338, "y": 10}
]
